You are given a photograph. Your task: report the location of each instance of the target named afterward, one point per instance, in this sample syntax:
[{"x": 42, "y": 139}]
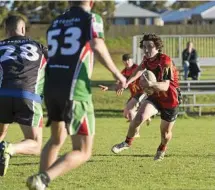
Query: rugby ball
[{"x": 151, "y": 77}]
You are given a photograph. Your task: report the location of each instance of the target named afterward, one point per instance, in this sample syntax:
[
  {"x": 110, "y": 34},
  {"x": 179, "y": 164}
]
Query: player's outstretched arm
[
  {"x": 99, "y": 47},
  {"x": 136, "y": 74}
]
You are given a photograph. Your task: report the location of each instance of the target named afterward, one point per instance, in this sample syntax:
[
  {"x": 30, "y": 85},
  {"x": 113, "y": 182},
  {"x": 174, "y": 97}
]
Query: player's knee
[
  {"x": 129, "y": 114},
  {"x": 86, "y": 155},
  {"x": 144, "y": 118},
  {"x": 167, "y": 135},
  {"x": 38, "y": 147},
  {"x": 82, "y": 156},
  {"x": 58, "y": 141},
  {"x": 125, "y": 113},
  {"x": 37, "y": 151}
]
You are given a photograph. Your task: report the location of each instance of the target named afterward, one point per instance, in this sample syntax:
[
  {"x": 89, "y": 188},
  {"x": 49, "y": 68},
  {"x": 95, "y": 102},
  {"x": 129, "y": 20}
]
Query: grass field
[{"x": 189, "y": 163}]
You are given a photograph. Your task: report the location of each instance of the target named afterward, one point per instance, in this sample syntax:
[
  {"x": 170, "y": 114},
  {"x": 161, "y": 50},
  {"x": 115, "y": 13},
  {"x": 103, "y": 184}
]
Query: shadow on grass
[
  {"x": 150, "y": 155},
  {"x": 191, "y": 155},
  {"x": 124, "y": 155},
  {"x": 96, "y": 83},
  {"x": 24, "y": 164},
  {"x": 100, "y": 113}
]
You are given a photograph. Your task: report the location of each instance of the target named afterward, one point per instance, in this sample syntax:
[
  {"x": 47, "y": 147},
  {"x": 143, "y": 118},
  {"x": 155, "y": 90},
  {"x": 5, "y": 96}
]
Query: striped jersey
[{"x": 70, "y": 58}]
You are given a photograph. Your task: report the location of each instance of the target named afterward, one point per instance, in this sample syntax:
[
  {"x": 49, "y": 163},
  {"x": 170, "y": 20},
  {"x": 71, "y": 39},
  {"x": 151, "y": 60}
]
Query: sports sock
[
  {"x": 45, "y": 178},
  {"x": 129, "y": 140},
  {"x": 162, "y": 147}
]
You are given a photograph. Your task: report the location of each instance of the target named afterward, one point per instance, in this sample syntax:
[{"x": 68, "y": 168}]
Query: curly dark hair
[{"x": 152, "y": 37}]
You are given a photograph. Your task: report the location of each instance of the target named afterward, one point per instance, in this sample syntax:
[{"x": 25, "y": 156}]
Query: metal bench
[
  {"x": 208, "y": 85},
  {"x": 192, "y": 103}
]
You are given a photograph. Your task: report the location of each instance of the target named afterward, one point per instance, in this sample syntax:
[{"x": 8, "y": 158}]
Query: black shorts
[
  {"x": 20, "y": 110},
  {"x": 56, "y": 108},
  {"x": 168, "y": 115},
  {"x": 78, "y": 115},
  {"x": 138, "y": 97}
]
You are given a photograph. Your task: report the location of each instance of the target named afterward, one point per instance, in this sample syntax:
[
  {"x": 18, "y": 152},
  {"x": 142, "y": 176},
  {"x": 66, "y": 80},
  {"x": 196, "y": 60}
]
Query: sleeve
[
  {"x": 167, "y": 71},
  {"x": 97, "y": 27}
]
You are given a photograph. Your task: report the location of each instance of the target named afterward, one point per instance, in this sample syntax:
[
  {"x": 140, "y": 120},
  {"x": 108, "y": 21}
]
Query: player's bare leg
[
  {"x": 166, "y": 136},
  {"x": 130, "y": 109},
  {"x": 3, "y": 131},
  {"x": 53, "y": 146},
  {"x": 30, "y": 145},
  {"x": 146, "y": 111},
  {"x": 130, "y": 112},
  {"x": 82, "y": 150},
  {"x": 148, "y": 121}
]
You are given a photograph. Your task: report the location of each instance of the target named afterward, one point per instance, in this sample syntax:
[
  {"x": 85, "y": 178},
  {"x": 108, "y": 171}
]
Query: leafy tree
[
  {"x": 3, "y": 11},
  {"x": 46, "y": 11},
  {"x": 106, "y": 10},
  {"x": 3, "y": 14},
  {"x": 42, "y": 11}
]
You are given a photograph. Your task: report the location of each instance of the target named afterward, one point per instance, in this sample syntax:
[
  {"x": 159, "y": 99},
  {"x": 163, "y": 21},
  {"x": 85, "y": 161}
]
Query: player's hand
[
  {"x": 120, "y": 91},
  {"x": 103, "y": 88},
  {"x": 122, "y": 81}
]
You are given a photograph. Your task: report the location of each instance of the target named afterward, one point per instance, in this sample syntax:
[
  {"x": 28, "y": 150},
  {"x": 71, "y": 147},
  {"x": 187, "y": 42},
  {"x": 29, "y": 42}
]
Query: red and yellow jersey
[
  {"x": 164, "y": 69},
  {"x": 134, "y": 86}
]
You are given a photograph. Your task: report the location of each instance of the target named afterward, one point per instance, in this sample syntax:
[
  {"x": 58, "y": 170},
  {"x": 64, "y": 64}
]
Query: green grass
[{"x": 188, "y": 165}]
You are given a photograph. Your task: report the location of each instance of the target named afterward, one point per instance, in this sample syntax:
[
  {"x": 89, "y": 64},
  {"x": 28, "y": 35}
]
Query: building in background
[
  {"x": 129, "y": 14},
  {"x": 202, "y": 14}
]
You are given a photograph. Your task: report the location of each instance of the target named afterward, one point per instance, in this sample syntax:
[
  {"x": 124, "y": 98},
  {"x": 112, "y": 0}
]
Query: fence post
[
  {"x": 134, "y": 49},
  {"x": 180, "y": 49}
]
